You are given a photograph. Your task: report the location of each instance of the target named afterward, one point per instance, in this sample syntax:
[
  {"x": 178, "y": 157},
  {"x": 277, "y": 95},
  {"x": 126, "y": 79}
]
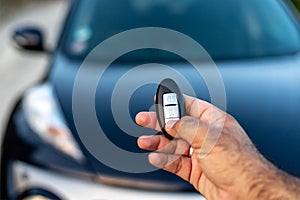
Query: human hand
[{"x": 233, "y": 169}]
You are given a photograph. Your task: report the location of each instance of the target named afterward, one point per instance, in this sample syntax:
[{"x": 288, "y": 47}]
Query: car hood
[{"x": 262, "y": 94}]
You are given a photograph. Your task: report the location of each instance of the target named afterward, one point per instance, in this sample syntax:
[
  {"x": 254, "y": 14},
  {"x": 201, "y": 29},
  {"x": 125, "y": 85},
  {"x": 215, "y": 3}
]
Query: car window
[{"x": 226, "y": 29}]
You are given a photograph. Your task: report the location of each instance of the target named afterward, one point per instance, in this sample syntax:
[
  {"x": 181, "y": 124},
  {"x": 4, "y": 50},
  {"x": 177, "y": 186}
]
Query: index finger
[
  {"x": 194, "y": 107},
  {"x": 148, "y": 120}
]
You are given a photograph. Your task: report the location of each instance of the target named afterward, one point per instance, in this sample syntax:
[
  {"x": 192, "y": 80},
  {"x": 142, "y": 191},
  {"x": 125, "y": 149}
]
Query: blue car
[{"x": 253, "y": 46}]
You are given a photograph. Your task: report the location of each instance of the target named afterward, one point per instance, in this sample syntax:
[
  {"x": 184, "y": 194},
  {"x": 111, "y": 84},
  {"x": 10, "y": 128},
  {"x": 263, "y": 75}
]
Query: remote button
[
  {"x": 171, "y": 112},
  {"x": 169, "y": 99}
]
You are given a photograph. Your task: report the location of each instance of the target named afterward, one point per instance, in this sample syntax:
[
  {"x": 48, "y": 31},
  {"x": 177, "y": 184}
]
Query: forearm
[
  {"x": 270, "y": 183},
  {"x": 290, "y": 186},
  {"x": 263, "y": 180}
]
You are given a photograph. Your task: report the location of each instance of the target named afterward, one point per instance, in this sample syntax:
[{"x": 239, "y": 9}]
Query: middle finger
[{"x": 161, "y": 144}]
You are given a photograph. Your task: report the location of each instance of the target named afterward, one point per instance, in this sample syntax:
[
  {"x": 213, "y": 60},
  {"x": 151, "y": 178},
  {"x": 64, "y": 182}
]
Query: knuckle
[
  {"x": 178, "y": 166},
  {"x": 171, "y": 147},
  {"x": 188, "y": 121}
]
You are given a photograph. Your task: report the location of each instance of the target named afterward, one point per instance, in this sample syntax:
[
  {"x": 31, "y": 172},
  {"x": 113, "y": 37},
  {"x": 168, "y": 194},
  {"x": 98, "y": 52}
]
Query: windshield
[{"x": 226, "y": 29}]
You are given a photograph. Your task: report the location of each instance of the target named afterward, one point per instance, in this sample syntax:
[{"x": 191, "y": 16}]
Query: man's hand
[{"x": 233, "y": 169}]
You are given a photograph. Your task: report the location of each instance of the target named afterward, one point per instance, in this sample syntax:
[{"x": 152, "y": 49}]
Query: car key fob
[{"x": 169, "y": 104}]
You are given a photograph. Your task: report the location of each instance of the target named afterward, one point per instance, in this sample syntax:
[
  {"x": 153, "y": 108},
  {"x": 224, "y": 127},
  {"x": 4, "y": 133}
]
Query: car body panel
[
  {"x": 261, "y": 93},
  {"x": 67, "y": 187}
]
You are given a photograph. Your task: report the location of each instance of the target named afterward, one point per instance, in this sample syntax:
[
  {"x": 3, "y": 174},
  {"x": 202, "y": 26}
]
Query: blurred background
[
  {"x": 297, "y": 3},
  {"x": 20, "y": 69}
]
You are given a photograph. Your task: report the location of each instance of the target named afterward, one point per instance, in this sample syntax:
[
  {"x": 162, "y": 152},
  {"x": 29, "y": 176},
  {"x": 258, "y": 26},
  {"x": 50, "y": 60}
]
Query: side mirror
[{"x": 29, "y": 39}]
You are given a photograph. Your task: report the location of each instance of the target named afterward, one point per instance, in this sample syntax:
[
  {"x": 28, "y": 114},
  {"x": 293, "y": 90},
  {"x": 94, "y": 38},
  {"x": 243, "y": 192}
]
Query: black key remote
[{"x": 169, "y": 104}]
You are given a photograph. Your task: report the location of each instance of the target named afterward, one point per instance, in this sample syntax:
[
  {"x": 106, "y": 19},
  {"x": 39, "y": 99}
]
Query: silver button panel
[{"x": 171, "y": 109}]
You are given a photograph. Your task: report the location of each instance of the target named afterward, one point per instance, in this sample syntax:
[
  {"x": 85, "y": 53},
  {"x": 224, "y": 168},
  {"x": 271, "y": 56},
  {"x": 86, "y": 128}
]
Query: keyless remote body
[{"x": 169, "y": 103}]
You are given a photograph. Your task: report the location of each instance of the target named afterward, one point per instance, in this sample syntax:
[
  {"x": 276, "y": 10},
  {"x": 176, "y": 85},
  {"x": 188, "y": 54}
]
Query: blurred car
[{"x": 255, "y": 45}]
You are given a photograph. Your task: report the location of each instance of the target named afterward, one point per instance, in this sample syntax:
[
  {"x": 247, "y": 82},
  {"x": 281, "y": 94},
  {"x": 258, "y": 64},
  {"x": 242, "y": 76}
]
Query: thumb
[{"x": 190, "y": 129}]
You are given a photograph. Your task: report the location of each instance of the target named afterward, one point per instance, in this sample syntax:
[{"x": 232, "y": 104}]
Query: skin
[{"x": 233, "y": 169}]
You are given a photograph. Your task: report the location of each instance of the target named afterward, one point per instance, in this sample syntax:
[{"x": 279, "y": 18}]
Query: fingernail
[
  {"x": 170, "y": 124},
  {"x": 145, "y": 137},
  {"x": 144, "y": 142},
  {"x": 157, "y": 159},
  {"x": 141, "y": 119}
]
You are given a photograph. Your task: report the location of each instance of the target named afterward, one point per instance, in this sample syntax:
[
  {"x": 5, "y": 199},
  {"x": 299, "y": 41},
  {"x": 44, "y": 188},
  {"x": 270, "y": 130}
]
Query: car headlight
[{"x": 44, "y": 116}]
